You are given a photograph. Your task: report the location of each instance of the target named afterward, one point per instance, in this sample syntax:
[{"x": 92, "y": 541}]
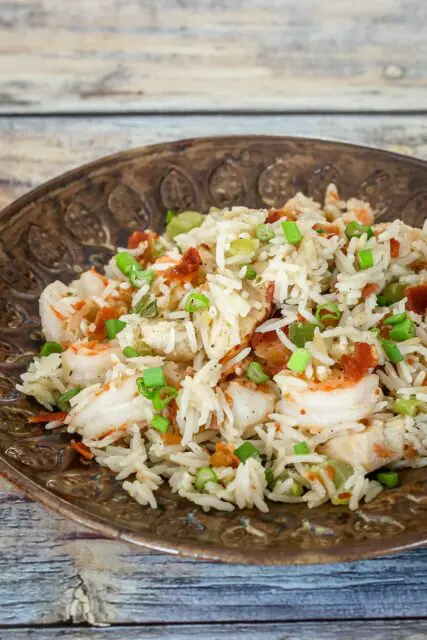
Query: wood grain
[
  {"x": 378, "y": 630},
  {"x": 33, "y": 149},
  {"x": 186, "y": 55},
  {"x": 54, "y": 571}
]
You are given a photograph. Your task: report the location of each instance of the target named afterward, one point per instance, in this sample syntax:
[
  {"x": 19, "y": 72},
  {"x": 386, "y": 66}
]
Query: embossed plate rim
[{"x": 204, "y": 550}]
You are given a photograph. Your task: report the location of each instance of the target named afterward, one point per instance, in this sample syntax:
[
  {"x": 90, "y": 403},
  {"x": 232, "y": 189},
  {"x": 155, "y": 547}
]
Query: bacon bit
[
  {"x": 187, "y": 269},
  {"x": 394, "y": 248},
  {"x": 269, "y": 294},
  {"x": 48, "y": 417},
  {"x": 330, "y": 471},
  {"x": 171, "y": 411},
  {"x": 224, "y": 456},
  {"x": 369, "y": 288},
  {"x": 170, "y": 438},
  {"x": 274, "y": 215},
  {"x": 303, "y": 412},
  {"x": 382, "y": 452},
  {"x": 417, "y": 298},
  {"x": 268, "y": 347},
  {"x": 329, "y": 229},
  {"x": 82, "y": 449},
  {"x": 355, "y": 365},
  {"x": 78, "y": 305},
  {"x": 136, "y": 238},
  {"x": 57, "y": 313},
  {"x": 344, "y": 496},
  {"x": 105, "y": 313}
]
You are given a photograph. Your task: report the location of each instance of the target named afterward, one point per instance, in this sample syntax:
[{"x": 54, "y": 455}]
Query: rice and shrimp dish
[{"x": 246, "y": 356}]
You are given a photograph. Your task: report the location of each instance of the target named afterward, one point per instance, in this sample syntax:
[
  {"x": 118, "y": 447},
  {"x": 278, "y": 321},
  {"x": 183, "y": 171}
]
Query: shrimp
[
  {"x": 108, "y": 410},
  {"x": 374, "y": 447},
  {"x": 250, "y": 404},
  {"x": 87, "y": 363},
  {"x": 59, "y": 306},
  {"x": 319, "y": 405},
  {"x": 167, "y": 337}
]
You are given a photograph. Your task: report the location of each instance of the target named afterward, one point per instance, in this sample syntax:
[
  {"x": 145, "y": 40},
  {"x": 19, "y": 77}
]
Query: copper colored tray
[{"x": 74, "y": 222}]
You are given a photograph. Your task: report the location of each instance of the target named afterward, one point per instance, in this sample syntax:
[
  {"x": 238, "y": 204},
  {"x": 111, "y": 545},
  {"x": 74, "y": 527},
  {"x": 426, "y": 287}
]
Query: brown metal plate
[{"x": 74, "y": 222}]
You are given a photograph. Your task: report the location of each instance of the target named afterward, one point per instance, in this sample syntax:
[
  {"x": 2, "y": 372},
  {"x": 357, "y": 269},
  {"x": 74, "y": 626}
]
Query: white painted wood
[{"x": 120, "y": 55}]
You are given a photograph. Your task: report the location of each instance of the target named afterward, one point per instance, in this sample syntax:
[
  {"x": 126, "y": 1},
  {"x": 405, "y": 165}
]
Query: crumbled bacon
[
  {"x": 186, "y": 270},
  {"x": 417, "y": 298},
  {"x": 394, "y": 248},
  {"x": 268, "y": 347},
  {"x": 150, "y": 238},
  {"x": 269, "y": 294},
  {"x": 136, "y": 238},
  {"x": 370, "y": 288},
  {"x": 274, "y": 215},
  {"x": 357, "y": 364},
  {"x": 329, "y": 230},
  {"x": 104, "y": 313},
  {"x": 224, "y": 456}
]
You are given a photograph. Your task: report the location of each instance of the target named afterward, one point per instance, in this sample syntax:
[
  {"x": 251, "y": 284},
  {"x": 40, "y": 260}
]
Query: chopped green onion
[
  {"x": 291, "y": 230},
  {"x": 246, "y": 450},
  {"x": 337, "y": 500},
  {"x": 242, "y": 246},
  {"x": 196, "y": 302},
  {"x": 146, "y": 307},
  {"x": 163, "y": 396},
  {"x": 159, "y": 423},
  {"x": 389, "y": 479},
  {"x": 393, "y": 292},
  {"x": 170, "y": 214},
  {"x": 299, "y": 360},
  {"x": 250, "y": 273},
  {"x": 365, "y": 258},
  {"x": 320, "y": 230},
  {"x": 125, "y": 262},
  {"x": 63, "y": 401},
  {"x": 204, "y": 475},
  {"x": 50, "y": 347},
  {"x": 143, "y": 390},
  {"x": 263, "y": 233},
  {"x": 138, "y": 277},
  {"x": 392, "y": 351},
  {"x": 301, "y": 332},
  {"x": 356, "y": 230},
  {"x": 301, "y": 449},
  {"x": 269, "y": 476},
  {"x": 341, "y": 471},
  {"x": 405, "y": 330},
  {"x": 130, "y": 352},
  {"x": 256, "y": 373},
  {"x": 114, "y": 327},
  {"x": 400, "y": 317},
  {"x": 375, "y": 331},
  {"x": 183, "y": 222},
  {"x": 153, "y": 377},
  {"x": 407, "y": 407},
  {"x": 328, "y": 313},
  {"x": 296, "y": 489}
]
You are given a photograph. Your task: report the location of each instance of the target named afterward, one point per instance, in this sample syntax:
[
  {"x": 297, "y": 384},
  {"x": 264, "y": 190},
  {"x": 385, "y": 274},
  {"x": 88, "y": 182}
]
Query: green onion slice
[
  {"x": 406, "y": 407},
  {"x": 159, "y": 423},
  {"x": 356, "y": 230},
  {"x": 242, "y": 246},
  {"x": 163, "y": 396},
  {"x": 301, "y": 449},
  {"x": 183, "y": 222},
  {"x": 389, "y": 479},
  {"x": 264, "y": 233},
  {"x": 405, "y": 330},
  {"x": 400, "y": 317},
  {"x": 114, "y": 327},
  {"x": 50, "y": 347},
  {"x": 196, "y": 302},
  {"x": 153, "y": 377},
  {"x": 139, "y": 277},
  {"x": 125, "y": 262},
  {"x": 63, "y": 401},
  {"x": 301, "y": 332},
  {"x": 204, "y": 475},
  {"x": 130, "y": 352},
  {"x": 146, "y": 307},
  {"x": 392, "y": 292},
  {"x": 246, "y": 450},
  {"x": 143, "y": 390},
  {"x": 250, "y": 273},
  {"x": 170, "y": 214},
  {"x": 365, "y": 258},
  {"x": 328, "y": 314},
  {"x": 392, "y": 351},
  {"x": 291, "y": 230},
  {"x": 256, "y": 373},
  {"x": 299, "y": 360}
]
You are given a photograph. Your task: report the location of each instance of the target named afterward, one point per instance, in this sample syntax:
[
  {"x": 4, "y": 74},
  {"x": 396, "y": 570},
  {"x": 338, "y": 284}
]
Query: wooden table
[{"x": 82, "y": 79}]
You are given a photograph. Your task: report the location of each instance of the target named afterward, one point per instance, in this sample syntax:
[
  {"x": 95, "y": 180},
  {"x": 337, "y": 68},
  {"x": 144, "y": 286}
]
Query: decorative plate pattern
[{"x": 74, "y": 222}]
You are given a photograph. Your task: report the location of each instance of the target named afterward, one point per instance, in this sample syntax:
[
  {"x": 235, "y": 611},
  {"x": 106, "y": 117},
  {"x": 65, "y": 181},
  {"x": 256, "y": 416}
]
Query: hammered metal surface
[{"x": 74, "y": 222}]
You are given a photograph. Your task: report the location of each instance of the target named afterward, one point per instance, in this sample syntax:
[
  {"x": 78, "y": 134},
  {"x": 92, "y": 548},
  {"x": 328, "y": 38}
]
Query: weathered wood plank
[
  {"x": 116, "y": 56},
  {"x": 33, "y": 150},
  {"x": 54, "y": 571},
  {"x": 377, "y": 630}
]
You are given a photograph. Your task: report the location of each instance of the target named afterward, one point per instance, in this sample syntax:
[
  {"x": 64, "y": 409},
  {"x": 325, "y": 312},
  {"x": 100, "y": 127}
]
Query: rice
[{"x": 208, "y": 392}]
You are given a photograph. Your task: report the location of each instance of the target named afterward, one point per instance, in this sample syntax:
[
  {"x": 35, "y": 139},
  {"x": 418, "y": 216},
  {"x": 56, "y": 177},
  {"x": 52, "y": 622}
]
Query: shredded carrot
[
  {"x": 330, "y": 471},
  {"x": 78, "y": 305},
  {"x": 344, "y": 496},
  {"x": 82, "y": 449},
  {"x": 48, "y": 417},
  {"x": 394, "y": 248},
  {"x": 364, "y": 216},
  {"x": 57, "y": 313}
]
